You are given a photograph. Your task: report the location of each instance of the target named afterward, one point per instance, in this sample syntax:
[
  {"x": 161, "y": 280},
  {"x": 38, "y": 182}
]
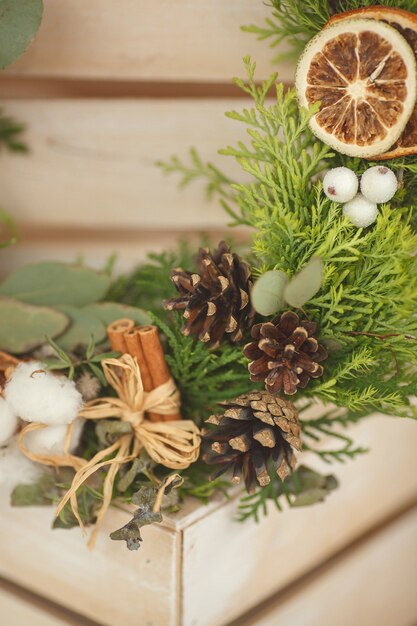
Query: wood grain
[
  {"x": 92, "y": 163},
  {"x": 147, "y": 39},
  {"x": 255, "y": 561},
  {"x": 373, "y": 585},
  {"x": 170, "y": 575},
  {"x": 110, "y": 584}
]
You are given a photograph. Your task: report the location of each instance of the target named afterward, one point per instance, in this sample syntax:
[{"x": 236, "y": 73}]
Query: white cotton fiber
[
  {"x": 8, "y": 422},
  {"x": 37, "y": 395},
  {"x": 15, "y": 468},
  {"x": 51, "y": 440}
]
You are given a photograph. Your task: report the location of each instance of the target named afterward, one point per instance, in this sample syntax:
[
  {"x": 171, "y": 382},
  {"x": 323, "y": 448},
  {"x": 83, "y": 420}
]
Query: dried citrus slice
[
  {"x": 405, "y": 23},
  {"x": 363, "y": 72}
]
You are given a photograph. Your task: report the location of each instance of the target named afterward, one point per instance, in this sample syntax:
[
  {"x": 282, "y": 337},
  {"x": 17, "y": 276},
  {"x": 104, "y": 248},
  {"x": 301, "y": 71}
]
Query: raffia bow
[{"x": 174, "y": 444}]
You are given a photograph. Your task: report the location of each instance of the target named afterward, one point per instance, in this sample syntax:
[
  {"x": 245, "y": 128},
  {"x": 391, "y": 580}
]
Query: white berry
[
  {"x": 340, "y": 184},
  {"x": 360, "y": 211},
  {"x": 379, "y": 184}
]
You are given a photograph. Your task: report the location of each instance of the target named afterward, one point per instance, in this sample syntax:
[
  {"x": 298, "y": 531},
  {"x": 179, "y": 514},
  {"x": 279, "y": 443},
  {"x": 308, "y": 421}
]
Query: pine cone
[
  {"x": 216, "y": 300},
  {"x": 285, "y": 354},
  {"x": 255, "y": 428}
]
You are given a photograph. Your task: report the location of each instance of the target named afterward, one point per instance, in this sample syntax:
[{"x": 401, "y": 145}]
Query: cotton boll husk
[
  {"x": 37, "y": 395},
  {"x": 8, "y": 422},
  {"x": 15, "y": 468},
  {"x": 51, "y": 439}
]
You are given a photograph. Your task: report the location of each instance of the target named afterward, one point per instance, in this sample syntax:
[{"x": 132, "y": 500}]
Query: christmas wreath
[{"x": 211, "y": 370}]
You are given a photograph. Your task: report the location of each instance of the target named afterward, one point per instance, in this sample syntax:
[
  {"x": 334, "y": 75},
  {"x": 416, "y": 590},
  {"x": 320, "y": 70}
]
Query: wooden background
[{"x": 106, "y": 89}]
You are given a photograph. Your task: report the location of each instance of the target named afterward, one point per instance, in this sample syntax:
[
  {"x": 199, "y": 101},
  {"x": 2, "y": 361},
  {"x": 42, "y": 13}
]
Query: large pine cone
[
  {"x": 285, "y": 354},
  {"x": 216, "y": 300},
  {"x": 256, "y": 429}
]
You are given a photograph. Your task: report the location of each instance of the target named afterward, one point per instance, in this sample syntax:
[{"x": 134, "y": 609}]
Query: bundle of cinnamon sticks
[{"x": 143, "y": 342}]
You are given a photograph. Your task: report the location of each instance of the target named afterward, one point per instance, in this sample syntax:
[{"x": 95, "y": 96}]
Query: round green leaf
[
  {"x": 268, "y": 292},
  {"x": 23, "y": 327},
  {"x": 305, "y": 284},
  {"x": 19, "y": 22},
  {"x": 53, "y": 284},
  {"x": 84, "y": 325},
  {"x": 109, "y": 312}
]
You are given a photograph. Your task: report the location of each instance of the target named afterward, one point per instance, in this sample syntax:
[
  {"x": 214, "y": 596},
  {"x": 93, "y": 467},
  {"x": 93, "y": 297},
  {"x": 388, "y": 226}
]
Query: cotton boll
[
  {"x": 15, "y": 468},
  {"x": 51, "y": 439},
  {"x": 37, "y": 395},
  {"x": 360, "y": 211},
  {"x": 340, "y": 184},
  {"x": 8, "y": 422},
  {"x": 379, "y": 184}
]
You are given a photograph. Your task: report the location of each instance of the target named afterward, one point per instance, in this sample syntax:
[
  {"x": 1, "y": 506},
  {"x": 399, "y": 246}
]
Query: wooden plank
[
  {"x": 110, "y": 584},
  {"x": 95, "y": 247},
  {"x": 203, "y": 548},
  {"x": 374, "y": 584},
  {"x": 92, "y": 163},
  {"x": 243, "y": 564},
  {"x": 185, "y": 40}
]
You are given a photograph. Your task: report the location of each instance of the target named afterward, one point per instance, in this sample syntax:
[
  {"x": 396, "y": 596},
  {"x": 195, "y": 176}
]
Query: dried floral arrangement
[{"x": 207, "y": 369}]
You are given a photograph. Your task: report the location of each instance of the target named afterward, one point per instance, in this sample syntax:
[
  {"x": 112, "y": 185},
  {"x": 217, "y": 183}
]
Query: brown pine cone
[
  {"x": 216, "y": 300},
  {"x": 255, "y": 430},
  {"x": 285, "y": 354}
]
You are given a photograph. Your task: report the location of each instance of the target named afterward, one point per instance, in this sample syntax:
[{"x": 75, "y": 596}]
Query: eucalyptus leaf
[
  {"x": 53, "y": 284},
  {"x": 84, "y": 325},
  {"x": 109, "y": 312},
  {"x": 304, "y": 285},
  {"x": 40, "y": 493},
  {"x": 19, "y": 23},
  {"x": 24, "y": 327},
  {"x": 268, "y": 292}
]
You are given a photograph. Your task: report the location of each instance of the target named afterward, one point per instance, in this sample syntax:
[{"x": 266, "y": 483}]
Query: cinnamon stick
[
  {"x": 134, "y": 348},
  {"x": 155, "y": 358},
  {"x": 116, "y": 334}
]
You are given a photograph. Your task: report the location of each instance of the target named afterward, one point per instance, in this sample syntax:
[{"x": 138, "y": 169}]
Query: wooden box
[{"x": 202, "y": 568}]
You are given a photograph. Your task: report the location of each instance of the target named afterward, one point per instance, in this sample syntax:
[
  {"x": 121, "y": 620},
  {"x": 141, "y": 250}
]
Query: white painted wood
[
  {"x": 373, "y": 585},
  {"x": 92, "y": 163},
  {"x": 244, "y": 564},
  {"x": 202, "y": 553},
  {"x": 109, "y": 584},
  {"x": 185, "y": 40},
  {"x": 16, "y": 611}
]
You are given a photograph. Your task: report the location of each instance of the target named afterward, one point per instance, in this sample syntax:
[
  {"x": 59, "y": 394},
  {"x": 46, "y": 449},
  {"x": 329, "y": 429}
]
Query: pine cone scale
[
  {"x": 216, "y": 300},
  {"x": 267, "y": 431},
  {"x": 284, "y": 354}
]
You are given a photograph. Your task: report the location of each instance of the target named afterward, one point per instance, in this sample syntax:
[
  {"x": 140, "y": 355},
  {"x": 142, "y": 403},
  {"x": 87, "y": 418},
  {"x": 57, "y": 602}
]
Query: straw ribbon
[{"x": 174, "y": 444}]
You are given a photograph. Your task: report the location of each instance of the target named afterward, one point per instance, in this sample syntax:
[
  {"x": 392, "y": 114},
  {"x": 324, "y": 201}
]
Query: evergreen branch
[
  {"x": 10, "y": 134},
  {"x": 204, "y": 377},
  {"x": 216, "y": 183},
  {"x": 295, "y": 22}
]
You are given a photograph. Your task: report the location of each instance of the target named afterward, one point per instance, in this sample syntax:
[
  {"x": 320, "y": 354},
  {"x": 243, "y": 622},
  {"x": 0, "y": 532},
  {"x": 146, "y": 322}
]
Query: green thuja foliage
[
  {"x": 365, "y": 308},
  {"x": 203, "y": 377},
  {"x": 10, "y": 133},
  {"x": 294, "y": 22}
]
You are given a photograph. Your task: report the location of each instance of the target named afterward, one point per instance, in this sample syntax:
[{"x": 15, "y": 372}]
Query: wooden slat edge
[{"x": 271, "y": 605}]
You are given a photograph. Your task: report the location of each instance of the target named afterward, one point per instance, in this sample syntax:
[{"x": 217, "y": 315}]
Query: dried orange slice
[
  {"x": 363, "y": 72},
  {"x": 405, "y": 23}
]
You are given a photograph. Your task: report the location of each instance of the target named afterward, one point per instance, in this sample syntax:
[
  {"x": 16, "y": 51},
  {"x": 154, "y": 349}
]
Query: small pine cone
[
  {"x": 285, "y": 354},
  {"x": 216, "y": 300},
  {"x": 256, "y": 429}
]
